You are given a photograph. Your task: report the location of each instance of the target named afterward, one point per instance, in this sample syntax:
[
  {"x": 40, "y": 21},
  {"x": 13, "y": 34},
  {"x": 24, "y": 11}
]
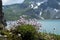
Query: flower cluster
[
  {"x": 23, "y": 20},
  {"x": 33, "y": 22}
]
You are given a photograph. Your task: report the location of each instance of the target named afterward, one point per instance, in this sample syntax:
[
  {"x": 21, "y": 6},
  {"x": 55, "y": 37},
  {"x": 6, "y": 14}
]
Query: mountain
[{"x": 40, "y": 9}]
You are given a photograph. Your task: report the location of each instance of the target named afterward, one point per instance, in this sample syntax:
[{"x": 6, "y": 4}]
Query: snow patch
[
  {"x": 56, "y": 10},
  {"x": 59, "y": 3},
  {"x": 35, "y": 7},
  {"x": 40, "y": 13},
  {"x": 32, "y": 6},
  {"x": 57, "y": 17},
  {"x": 39, "y": 3},
  {"x": 42, "y": 18}
]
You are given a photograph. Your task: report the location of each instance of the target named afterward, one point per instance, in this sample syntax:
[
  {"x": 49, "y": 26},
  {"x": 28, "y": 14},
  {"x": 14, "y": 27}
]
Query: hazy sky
[{"x": 8, "y": 2}]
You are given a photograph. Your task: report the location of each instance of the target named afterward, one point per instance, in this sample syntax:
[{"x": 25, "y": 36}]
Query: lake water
[
  {"x": 47, "y": 26},
  {"x": 50, "y": 26}
]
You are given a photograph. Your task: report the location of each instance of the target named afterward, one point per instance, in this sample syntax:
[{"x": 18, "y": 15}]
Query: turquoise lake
[
  {"x": 47, "y": 26},
  {"x": 50, "y": 26}
]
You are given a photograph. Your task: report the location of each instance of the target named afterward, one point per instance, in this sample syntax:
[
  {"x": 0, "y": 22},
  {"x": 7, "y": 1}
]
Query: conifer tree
[{"x": 2, "y": 20}]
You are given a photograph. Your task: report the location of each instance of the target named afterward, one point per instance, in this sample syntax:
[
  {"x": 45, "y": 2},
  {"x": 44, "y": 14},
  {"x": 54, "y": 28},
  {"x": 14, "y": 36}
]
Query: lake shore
[{"x": 47, "y": 26}]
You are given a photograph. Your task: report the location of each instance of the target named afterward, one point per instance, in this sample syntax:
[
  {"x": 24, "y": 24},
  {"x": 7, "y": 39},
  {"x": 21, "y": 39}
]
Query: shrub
[{"x": 27, "y": 32}]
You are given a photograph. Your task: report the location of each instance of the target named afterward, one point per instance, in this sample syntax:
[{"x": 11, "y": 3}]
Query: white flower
[
  {"x": 5, "y": 35},
  {"x": 0, "y": 35},
  {"x": 19, "y": 34},
  {"x": 10, "y": 33}
]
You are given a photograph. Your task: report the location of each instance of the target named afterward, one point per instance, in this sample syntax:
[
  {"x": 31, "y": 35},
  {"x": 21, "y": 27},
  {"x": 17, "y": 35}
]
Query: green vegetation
[
  {"x": 26, "y": 32},
  {"x": 14, "y": 13}
]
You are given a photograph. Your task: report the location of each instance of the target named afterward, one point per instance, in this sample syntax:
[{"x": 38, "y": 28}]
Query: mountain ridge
[{"x": 34, "y": 9}]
